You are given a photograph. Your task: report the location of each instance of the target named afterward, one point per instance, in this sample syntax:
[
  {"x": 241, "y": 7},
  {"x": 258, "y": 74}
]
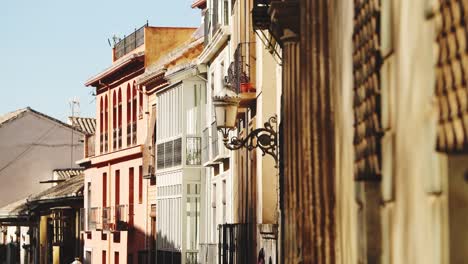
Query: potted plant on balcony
[{"x": 245, "y": 85}]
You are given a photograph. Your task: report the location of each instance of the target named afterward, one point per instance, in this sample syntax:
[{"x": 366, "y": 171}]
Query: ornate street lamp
[{"x": 226, "y": 104}]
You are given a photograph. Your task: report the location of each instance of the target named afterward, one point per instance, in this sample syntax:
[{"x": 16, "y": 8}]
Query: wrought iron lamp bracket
[{"x": 265, "y": 138}]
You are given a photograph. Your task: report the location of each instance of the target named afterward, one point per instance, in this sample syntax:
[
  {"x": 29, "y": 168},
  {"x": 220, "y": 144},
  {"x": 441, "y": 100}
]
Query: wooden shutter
[
  {"x": 451, "y": 76},
  {"x": 367, "y": 62}
]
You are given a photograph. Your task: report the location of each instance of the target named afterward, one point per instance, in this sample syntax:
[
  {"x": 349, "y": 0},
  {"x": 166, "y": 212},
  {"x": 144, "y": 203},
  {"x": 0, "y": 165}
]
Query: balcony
[
  {"x": 112, "y": 218},
  {"x": 129, "y": 43},
  {"x": 241, "y": 73}
]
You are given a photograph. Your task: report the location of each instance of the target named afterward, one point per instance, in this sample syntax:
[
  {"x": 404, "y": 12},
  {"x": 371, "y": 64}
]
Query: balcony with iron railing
[
  {"x": 241, "y": 72},
  {"x": 112, "y": 218}
]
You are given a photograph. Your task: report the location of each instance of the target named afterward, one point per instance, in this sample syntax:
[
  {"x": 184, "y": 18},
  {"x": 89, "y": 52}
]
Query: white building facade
[{"x": 180, "y": 175}]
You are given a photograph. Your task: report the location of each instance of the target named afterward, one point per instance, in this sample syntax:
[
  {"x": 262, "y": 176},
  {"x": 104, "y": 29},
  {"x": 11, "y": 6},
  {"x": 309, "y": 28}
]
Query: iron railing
[
  {"x": 130, "y": 42},
  {"x": 236, "y": 243},
  {"x": 241, "y": 72},
  {"x": 112, "y": 218},
  {"x": 94, "y": 218}
]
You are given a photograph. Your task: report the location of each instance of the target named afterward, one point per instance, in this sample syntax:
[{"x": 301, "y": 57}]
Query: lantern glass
[{"x": 226, "y": 113}]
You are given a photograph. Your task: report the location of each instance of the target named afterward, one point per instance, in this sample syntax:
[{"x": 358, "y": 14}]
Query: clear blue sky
[{"x": 49, "y": 48}]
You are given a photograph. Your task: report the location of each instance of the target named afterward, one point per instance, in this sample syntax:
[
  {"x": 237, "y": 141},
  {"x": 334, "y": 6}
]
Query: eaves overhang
[
  {"x": 218, "y": 42},
  {"x": 126, "y": 61}
]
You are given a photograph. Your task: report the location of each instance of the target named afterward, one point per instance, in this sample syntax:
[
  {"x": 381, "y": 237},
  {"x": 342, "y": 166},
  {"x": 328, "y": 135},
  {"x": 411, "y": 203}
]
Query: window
[
  {"x": 169, "y": 154},
  {"x": 116, "y": 257},
  {"x": 140, "y": 184},
  {"x": 223, "y": 200},
  {"x": 104, "y": 257},
  {"x": 129, "y": 116},
  {"x": 214, "y": 140},
  {"x": 130, "y": 185},
  {"x": 206, "y": 145},
  {"x": 104, "y": 189},
  {"x": 117, "y": 187},
  {"x": 119, "y": 122},
  {"x": 106, "y": 123},
  {"x": 134, "y": 114},
  {"x": 193, "y": 152},
  {"x": 101, "y": 126},
  {"x": 114, "y": 120},
  {"x": 140, "y": 99}
]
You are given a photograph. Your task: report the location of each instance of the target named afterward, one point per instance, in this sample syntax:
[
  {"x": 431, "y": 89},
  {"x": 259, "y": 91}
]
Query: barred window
[{"x": 367, "y": 61}]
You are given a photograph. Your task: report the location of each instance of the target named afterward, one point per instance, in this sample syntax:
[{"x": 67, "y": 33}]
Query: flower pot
[{"x": 245, "y": 87}]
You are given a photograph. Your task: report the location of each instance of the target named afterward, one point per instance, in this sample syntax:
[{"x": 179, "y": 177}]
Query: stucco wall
[{"x": 32, "y": 147}]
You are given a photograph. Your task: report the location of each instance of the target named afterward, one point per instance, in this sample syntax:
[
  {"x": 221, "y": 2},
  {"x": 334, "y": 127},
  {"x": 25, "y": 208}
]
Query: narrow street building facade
[
  {"x": 117, "y": 216},
  {"x": 176, "y": 94}
]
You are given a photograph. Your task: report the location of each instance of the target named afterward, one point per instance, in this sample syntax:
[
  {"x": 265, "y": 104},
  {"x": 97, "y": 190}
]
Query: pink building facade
[{"x": 118, "y": 215}]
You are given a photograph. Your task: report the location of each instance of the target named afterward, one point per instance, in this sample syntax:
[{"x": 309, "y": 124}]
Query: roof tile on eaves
[
  {"x": 72, "y": 187},
  {"x": 85, "y": 124}
]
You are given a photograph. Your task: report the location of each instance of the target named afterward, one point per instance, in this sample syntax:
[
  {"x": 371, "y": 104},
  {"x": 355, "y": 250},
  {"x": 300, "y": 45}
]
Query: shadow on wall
[
  {"x": 9, "y": 253},
  {"x": 167, "y": 252}
]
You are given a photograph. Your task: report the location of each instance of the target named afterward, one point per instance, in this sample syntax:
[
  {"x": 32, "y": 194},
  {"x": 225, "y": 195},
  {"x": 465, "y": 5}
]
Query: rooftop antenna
[{"x": 75, "y": 111}]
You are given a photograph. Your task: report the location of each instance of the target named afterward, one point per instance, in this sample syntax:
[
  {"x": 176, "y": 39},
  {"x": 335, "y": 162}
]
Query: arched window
[
  {"x": 101, "y": 123},
  {"x": 140, "y": 104},
  {"x": 119, "y": 116},
  {"x": 106, "y": 123},
  {"x": 134, "y": 113},
  {"x": 129, "y": 115},
  {"x": 114, "y": 120}
]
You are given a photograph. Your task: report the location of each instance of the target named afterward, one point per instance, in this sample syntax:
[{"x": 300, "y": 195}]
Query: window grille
[{"x": 367, "y": 62}]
